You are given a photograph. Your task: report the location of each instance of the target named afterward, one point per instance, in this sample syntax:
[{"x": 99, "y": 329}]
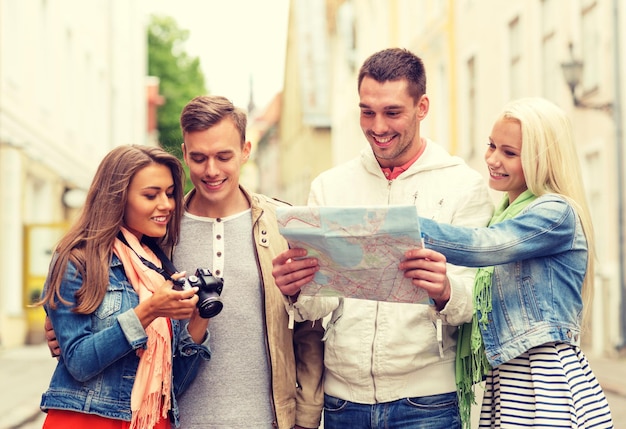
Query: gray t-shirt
[{"x": 232, "y": 390}]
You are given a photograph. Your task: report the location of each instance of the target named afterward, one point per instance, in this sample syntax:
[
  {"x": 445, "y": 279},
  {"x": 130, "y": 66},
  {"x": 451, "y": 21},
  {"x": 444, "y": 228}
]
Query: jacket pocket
[{"x": 112, "y": 302}]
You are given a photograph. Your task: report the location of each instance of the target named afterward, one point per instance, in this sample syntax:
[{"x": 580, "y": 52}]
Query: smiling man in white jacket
[{"x": 392, "y": 365}]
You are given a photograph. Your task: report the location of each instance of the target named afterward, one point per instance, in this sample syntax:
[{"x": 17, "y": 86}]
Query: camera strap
[{"x": 168, "y": 267}]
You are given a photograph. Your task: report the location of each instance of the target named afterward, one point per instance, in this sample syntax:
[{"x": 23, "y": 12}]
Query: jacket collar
[
  {"x": 252, "y": 199},
  {"x": 433, "y": 158}
]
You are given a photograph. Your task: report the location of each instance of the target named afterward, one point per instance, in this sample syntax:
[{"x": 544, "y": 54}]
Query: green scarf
[{"x": 471, "y": 361}]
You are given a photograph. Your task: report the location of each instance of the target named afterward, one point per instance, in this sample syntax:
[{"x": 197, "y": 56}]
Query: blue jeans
[{"x": 427, "y": 412}]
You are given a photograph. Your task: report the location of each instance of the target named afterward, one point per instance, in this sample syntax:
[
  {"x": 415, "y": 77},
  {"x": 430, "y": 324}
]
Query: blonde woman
[{"x": 534, "y": 284}]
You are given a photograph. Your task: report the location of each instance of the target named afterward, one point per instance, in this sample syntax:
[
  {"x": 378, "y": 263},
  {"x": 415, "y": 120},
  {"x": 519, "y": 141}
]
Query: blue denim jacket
[
  {"x": 540, "y": 260},
  {"x": 97, "y": 368}
]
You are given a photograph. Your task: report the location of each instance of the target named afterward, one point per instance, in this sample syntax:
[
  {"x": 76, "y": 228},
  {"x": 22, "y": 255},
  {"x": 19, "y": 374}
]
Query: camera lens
[{"x": 210, "y": 307}]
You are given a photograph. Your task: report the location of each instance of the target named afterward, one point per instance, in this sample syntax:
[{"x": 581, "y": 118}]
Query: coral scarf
[
  {"x": 471, "y": 361},
  {"x": 151, "y": 389}
]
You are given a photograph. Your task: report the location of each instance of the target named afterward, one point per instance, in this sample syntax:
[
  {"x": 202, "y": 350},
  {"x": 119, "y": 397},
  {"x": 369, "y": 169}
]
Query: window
[
  {"x": 515, "y": 58},
  {"x": 590, "y": 43},
  {"x": 471, "y": 107},
  {"x": 550, "y": 73}
]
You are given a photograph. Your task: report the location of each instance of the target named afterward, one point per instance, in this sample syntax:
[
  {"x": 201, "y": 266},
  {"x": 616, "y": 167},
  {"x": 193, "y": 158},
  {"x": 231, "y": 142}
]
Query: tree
[{"x": 180, "y": 75}]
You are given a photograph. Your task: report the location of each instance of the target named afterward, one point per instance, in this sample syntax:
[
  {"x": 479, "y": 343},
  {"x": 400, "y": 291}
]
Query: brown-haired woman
[{"x": 125, "y": 353}]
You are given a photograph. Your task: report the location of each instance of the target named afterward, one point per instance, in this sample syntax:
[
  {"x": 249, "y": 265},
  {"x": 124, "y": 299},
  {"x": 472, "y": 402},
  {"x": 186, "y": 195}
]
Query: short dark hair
[
  {"x": 395, "y": 64},
  {"x": 206, "y": 111}
]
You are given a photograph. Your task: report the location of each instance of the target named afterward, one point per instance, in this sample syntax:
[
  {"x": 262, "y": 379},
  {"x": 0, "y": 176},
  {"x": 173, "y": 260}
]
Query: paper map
[{"x": 358, "y": 248}]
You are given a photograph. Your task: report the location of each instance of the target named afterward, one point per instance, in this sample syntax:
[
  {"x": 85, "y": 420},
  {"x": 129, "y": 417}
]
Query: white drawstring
[{"x": 439, "y": 324}]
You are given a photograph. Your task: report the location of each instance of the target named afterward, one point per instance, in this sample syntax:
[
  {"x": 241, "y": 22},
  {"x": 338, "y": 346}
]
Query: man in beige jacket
[{"x": 262, "y": 374}]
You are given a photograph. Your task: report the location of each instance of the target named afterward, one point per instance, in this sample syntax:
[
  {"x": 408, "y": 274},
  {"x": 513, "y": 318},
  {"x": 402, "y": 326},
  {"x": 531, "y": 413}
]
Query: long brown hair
[{"x": 89, "y": 242}]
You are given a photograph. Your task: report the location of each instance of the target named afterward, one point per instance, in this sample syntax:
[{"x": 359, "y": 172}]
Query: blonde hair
[
  {"x": 551, "y": 165},
  {"x": 89, "y": 242}
]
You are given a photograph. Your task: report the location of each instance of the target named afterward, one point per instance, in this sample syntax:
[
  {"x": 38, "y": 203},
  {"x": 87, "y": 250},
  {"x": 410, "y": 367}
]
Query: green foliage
[{"x": 180, "y": 75}]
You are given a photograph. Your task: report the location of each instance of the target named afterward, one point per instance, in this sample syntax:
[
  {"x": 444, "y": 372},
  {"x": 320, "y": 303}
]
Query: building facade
[
  {"x": 304, "y": 145},
  {"x": 72, "y": 86}
]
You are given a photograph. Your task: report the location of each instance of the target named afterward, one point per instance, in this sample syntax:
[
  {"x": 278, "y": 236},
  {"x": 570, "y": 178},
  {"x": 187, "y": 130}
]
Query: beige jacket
[{"x": 295, "y": 356}]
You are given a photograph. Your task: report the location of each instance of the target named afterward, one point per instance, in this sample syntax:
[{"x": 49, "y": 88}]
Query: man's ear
[
  {"x": 184, "y": 150},
  {"x": 247, "y": 148},
  {"x": 423, "y": 104}
]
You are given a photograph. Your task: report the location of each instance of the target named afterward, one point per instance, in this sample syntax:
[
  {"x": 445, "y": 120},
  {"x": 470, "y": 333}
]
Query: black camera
[{"x": 210, "y": 289}]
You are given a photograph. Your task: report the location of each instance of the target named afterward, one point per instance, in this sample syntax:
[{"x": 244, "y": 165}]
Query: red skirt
[{"x": 63, "y": 419}]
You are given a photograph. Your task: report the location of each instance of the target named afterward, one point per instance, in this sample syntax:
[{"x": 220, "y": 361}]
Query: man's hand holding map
[{"x": 358, "y": 248}]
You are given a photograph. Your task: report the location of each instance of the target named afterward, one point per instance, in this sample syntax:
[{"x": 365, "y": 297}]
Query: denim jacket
[
  {"x": 540, "y": 260},
  {"x": 98, "y": 363}
]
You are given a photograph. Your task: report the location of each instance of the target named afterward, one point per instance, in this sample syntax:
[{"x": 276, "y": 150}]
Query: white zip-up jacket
[{"x": 379, "y": 351}]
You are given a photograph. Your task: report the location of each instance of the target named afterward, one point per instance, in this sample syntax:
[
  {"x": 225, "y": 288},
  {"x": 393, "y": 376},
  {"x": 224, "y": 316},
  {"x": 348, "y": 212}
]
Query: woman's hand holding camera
[{"x": 167, "y": 302}]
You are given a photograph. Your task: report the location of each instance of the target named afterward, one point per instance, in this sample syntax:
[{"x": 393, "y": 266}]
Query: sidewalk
[
  {"x": 24, "y": 375},
  {"x": 25, "y": 372}
]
